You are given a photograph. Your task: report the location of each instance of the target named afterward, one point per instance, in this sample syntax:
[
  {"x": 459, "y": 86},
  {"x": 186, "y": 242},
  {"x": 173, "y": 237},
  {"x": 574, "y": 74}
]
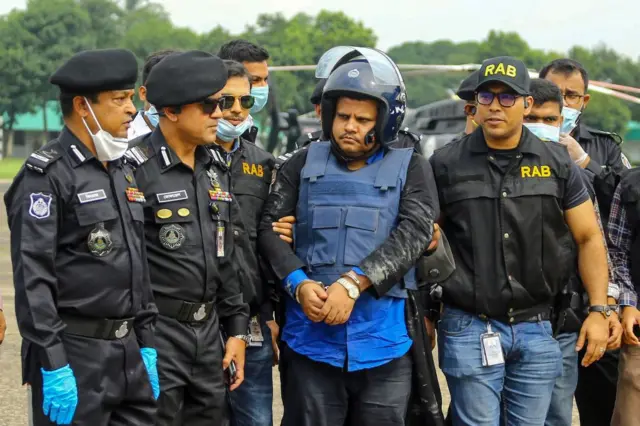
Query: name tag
[
  {"x": 168, "y": 197},
  {"x": 91, "y": 196}
]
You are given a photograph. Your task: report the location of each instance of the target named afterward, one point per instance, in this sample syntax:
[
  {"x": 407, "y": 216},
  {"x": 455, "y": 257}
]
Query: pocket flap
[
  {"x": 362, "y": 218},
  {"x": 101, "y": 211},
  {"x": 170, "y": 214},
  {"x": 326, "y": 217}
]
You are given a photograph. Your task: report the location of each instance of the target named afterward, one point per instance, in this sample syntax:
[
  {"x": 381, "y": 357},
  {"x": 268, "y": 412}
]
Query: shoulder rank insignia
[
  {"x": 39, "y": 160},
  {"x": 616, "y": 137},
  {"x": 136, "y": 156},
  {"x": 218, "y": 158}
]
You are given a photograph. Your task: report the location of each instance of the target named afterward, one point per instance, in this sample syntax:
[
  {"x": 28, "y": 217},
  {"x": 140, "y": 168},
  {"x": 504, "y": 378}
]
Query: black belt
[
  {"x": 97, "y": 328},
  {"x": 525, "y": 315},
  {"x": 182, "y": 310}
]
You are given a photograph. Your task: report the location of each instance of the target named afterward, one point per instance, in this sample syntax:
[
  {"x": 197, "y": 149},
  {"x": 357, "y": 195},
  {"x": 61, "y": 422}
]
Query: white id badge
[
  {"x": 256, "y": 332},
  {"x": 491, "y": 348}
]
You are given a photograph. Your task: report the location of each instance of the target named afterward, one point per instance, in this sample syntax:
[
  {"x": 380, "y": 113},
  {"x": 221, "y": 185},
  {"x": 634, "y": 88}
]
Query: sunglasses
[
  {"x": 246, "y": 101},
  {"x": 505, "y": 99},
  {"x": 209, "y": 106}
]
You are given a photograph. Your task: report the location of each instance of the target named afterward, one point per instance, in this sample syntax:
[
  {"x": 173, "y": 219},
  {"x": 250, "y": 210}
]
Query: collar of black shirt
[
  {"x": 581, "y": 132},
  {"x": 528, "y": 143},
  {"x": 76, "y": 150},
  {"x": 168, "y": 159}
]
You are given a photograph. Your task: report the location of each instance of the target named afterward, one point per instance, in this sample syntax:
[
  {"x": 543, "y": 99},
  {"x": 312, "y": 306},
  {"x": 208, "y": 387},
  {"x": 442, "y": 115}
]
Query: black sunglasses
[
  {"x": 209, "y": 105},
  {"x": 486, "y": 97},
  {"x": 246, "y": 101}
]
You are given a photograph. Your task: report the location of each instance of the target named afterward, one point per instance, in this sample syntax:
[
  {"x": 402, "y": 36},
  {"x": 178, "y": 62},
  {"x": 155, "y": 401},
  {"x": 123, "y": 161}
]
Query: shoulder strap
[
  {"x": 317, "y": 159},
  {"x": 394, "y": 165},
  {"x": 41, "y": 159},
  {"x": 616, "y": 137},
  {"x": 136, "y": 156}
]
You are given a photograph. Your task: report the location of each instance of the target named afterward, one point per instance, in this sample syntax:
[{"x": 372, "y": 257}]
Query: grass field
[{"x": 9, "y": 167}]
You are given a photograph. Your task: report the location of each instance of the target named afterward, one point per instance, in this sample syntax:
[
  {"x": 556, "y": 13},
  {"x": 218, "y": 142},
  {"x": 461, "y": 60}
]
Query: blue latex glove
[
  {"x": 60, "y": 395},
  {"x": 150, "y": 359}
]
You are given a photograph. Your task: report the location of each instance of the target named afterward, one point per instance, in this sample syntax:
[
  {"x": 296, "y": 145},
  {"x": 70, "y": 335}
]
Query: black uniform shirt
[
  {"x": 386, "y": 265},
  {"x": 503, "y": 213},
  {"x": 57, "y": 208},
  {"x": 251, "y": 175},
  {"x": 607, "y": 163},
  {"x": 181, "y": 231}
]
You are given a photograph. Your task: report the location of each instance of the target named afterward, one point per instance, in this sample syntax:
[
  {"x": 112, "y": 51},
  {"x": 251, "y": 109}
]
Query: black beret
[
  {"x": 185, "y": 78},
  {"x": 316, "y": 96},
  {"x": 467, "y": 88},
  {"x": 94, "y": 71}
]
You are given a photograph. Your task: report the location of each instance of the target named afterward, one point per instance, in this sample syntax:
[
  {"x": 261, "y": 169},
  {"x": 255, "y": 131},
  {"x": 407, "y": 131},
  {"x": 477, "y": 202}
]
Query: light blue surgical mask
[
  {"x": 228, "y": 132},
  {"x": 570, "y": 119},
  {"x": 544, "y": 132},
  {"x": 261, "y": 94},
  {"x": 152, "y": 115}
]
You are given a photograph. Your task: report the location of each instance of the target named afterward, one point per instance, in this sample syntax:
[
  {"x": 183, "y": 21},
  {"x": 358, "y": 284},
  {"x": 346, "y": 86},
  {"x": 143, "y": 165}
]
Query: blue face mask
[
  {"x": 261, "y": 94},
  {"x": 152, "y": 115},
  {"x": 228, "y": 132},
  {"x": 544, "y": 132},
  {"x": 570, "y": 119}
]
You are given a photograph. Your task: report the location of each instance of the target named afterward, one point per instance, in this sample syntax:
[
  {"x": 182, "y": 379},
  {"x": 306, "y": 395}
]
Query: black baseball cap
[
  {"x": 468, "y": 87},
  {"x": 507, "y": 70}
]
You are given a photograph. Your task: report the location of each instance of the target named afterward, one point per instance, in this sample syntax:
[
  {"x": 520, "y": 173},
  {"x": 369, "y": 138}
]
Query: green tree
[
  {"x": 57, "y": 29},
  {"x": 607, "y": 113}
]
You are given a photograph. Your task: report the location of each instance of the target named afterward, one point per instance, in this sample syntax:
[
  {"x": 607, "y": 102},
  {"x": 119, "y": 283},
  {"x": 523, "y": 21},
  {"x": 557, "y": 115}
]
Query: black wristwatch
[{"x": 603, "y": 309}]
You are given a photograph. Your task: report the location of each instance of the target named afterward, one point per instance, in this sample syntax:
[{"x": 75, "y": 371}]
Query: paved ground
[{"x": 12, "y": 395}]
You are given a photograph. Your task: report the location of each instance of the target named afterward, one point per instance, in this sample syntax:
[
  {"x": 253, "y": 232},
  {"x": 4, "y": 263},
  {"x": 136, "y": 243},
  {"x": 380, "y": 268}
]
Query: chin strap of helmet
[{"x": 343, "y": 156}]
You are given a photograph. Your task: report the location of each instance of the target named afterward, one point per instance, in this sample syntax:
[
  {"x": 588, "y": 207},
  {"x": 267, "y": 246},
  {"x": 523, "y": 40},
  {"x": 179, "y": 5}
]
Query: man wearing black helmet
[{"x": 365, "y": 216}]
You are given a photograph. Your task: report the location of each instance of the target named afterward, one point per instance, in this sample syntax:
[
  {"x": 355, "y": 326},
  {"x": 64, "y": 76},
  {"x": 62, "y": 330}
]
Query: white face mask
[{"x": 108, "y": 147}]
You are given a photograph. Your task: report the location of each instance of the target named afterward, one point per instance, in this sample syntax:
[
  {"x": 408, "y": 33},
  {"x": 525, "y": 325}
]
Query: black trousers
[
  {"x": 192, "y": 390},
  {"x": 113, "y": 385},
  {"x": 596, "y": 391},
  {"x": 318, "y": 394}
]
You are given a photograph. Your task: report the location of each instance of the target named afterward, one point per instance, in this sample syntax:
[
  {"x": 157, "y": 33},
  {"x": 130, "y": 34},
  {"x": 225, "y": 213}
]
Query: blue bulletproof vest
[{"x": 343, "y": 216}]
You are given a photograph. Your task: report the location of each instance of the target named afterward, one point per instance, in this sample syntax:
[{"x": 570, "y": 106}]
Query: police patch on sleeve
[
  {"x": 625, "y": 161},
  {"x": 40, "y": 207}
]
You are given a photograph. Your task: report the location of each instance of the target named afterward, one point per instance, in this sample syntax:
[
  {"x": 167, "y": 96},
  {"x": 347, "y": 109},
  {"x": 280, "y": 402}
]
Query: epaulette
[
  {"x": 281, "y": 159},
  {"x": 616, "y": 137},
  {"x": 218, "y": 158},
  {"x": 416, "y": 138},
  {"x": 136, "y": 156},
  {"x": 39, "y": 160}
]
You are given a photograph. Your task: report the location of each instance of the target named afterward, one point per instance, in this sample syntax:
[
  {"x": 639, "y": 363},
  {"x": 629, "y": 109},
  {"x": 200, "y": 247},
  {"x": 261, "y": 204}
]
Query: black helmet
[{"x": 368, "y": 73}]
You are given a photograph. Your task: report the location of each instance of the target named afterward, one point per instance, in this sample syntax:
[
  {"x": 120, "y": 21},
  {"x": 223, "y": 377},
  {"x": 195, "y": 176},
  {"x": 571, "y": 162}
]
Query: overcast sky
[{"x": 546, "y": 24}]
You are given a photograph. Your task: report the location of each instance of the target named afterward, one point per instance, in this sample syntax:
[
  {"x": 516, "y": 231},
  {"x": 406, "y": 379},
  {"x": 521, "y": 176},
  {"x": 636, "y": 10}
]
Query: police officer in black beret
[
  {"x": 83, "y": 297},
  {"x": 189, "y": 222},
  {"x": 512, "y": 207}
]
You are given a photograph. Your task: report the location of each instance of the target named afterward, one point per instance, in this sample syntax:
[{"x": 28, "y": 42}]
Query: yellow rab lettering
[
  {"x": 489, "y": 70},
  {"x": 535, "y": 171},
  {"x": 500, "y": 69},
  {"x": 253, "y": 169}
]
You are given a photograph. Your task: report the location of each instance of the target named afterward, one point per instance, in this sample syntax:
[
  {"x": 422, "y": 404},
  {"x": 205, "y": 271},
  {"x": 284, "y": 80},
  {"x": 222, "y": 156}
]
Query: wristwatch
[
  {"x": 605, "y": 310},
  {"x": 352, "y": 290},
  {"x": 246, "y": 338}
]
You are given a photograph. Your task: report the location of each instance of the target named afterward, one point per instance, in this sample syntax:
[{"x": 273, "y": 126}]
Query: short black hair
[
  {"x": 567, "y": 67},
  {"x": 66, "y": 101},
  {"x": 152, "y": 60},
  {"x": 236, "y": 69},
  {"x": 544, "y": 91},
  {"x": 243, "y": 51}
]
